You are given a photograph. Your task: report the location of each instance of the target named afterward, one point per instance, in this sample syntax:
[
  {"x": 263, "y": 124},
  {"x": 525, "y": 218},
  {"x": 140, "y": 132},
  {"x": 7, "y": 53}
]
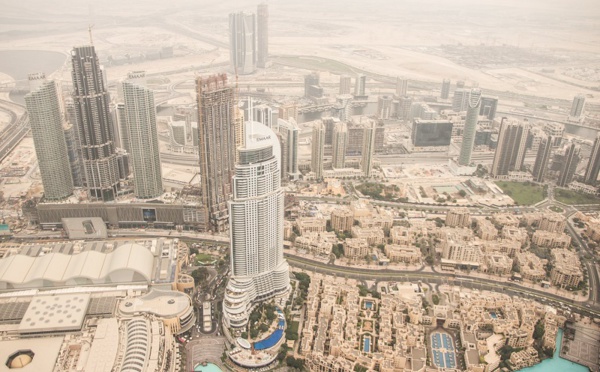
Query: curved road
[{"x": 440, "y": 278}]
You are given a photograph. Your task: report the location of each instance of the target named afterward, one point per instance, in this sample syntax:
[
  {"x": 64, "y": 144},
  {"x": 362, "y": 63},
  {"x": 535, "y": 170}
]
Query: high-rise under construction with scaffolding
[
  {"x": 92, "y": 109},
  {"x": 217, "y": 116}
]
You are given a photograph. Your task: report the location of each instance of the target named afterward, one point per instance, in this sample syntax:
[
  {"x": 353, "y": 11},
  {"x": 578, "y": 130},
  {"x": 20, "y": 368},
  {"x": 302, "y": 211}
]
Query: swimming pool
[
  {"x": 367, "y": 344},
  {"x": 209, "y": 367},
  {"x": 273, "y": 338},
  {"x": 369, "y": 305}
]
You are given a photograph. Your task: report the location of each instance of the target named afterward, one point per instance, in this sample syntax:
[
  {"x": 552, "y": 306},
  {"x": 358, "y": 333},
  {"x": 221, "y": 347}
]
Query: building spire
[{"x": 90, "y": 32}]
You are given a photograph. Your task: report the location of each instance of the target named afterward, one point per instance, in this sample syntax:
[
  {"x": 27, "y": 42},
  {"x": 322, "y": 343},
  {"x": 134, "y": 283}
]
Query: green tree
[
  {"x": 199, "y": 275},
  {"x": 435, "y": 299}
]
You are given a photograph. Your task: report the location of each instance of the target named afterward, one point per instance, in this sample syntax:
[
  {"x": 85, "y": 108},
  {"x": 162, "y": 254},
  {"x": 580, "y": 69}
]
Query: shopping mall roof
[
  {"x": 55, "y": 313},
  {"x": 44, "y": 350},
  {"x": 85, "y": 228},
  {"x": 128, "y": 263}
]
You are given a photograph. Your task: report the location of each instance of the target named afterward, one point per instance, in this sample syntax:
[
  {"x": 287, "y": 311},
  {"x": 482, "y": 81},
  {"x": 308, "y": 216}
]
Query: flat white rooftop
[{"x": 55, "y": 313}]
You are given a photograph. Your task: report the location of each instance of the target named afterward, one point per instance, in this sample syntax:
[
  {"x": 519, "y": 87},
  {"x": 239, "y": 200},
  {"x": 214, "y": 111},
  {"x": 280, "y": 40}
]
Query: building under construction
[{"x": 217, "y": 119}]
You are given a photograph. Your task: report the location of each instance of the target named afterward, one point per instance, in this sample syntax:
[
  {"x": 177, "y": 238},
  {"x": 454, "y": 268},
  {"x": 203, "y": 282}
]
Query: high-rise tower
[
  {"x": 217, "y": 145},
  {"x": 571, "y": 160},
  {"x": 489, "y": 105},
  {"x": 593, "y": 167},
  {"x": 360, "y": 86},
  {"x": 368, "y": 149},
  {"x": 445, "y": 92},
  {"x": 46, "y": 122},
  {"x": 94, "y": 124},
  {"x": 340, "y": 142},
  {"x": 242, "y": 43},
  {"x": 289, "y": 133},
  {"x": 345, "y": 84},
  {"x": 470, "y": 127},
  {"x": 401, "y": 87},
  {"x": 318, "y": 149},
  {"x": 139, "y": 113},
  {"x": 262, "y": 30},
  {"x": 577, "y": 106},
  {"x": 510, "y": 152},
  {"x": 542, "y": 158},
  {"x": 258, "y": 270}
]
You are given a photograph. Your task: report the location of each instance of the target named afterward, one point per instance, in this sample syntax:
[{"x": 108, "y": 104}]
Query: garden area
[
  {"x": 571, "y": 197},
  {"x": 260, "y": 320},
  {"x": 205, "y": 259},
  {"x": 523, "y": 193}
]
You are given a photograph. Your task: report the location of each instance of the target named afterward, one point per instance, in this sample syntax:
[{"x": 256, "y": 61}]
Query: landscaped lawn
[
  {"x": 203, "y": 258},
  {"x": 573, "y": 197},
  {"x": 523, "y": 193}
]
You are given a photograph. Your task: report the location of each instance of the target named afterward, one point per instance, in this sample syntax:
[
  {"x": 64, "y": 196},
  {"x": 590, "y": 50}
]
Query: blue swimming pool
[
  {"x": 367, "y": 345},
  {"x": 209, "y": 367},
  {"x": 494, "y": 315},
  {"x": 369, "y": 305},
  {"x": 273, "y": 338}
]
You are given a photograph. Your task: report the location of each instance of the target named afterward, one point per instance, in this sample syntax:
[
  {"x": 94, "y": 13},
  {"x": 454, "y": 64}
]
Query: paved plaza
[{"x": 584, "y": 348}]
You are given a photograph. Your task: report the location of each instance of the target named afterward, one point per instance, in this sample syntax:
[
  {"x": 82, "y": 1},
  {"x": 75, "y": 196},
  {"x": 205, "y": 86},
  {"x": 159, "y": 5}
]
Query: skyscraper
[
  {"x": 366, "y": 161},
  {"x": 345, "y": 84},
  {"x": 258, "y": 270},
  {"x": 593, "y": 167},
  {"x": 401, "y": 87},
  {"x": 139, "y": 123},
  {"x": 459, "y": 99},
  {"x": 541, "y": 159},
  {"x": 217, "y": 146},
  {"x": 511, "y": 148},
  {"x": 384, "y": 107},
  {"x": 340, "y": 142},
  {"x": 360, "y": 86},
  {"x": 577, "y": 106},
  {"x": 466, "y": 148},
  {"x": 445, "y": 93},
  {"x": 489, "y": 105},
  {"x": 96, "y": 136},
  {"x": 312, "y": 89},
  {"x": 318, "y": 149},
  {"x": 571, "y": 160},
  {"x": 262, "y": 14},
  {"x": 46, "y": 122},
  {"x": 242, "y": 43},
  {"x": 289, "y": 132}
]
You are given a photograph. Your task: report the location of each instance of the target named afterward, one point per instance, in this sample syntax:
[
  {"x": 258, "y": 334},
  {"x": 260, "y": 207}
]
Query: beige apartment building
[{"x": 342, "y": 219}]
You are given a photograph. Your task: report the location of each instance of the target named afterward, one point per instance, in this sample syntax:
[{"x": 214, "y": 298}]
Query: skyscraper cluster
[
  {"x": 249, "y": 40},
  {"x": 82, "y": 150}
]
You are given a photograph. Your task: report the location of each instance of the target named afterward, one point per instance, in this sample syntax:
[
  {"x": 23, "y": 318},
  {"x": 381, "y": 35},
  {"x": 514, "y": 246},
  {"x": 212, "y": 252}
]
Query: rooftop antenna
[{"x": 90, "y": 32}]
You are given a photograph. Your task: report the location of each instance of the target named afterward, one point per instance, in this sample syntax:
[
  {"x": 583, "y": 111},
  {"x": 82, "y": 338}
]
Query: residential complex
[{"x": 46, "y": 122}]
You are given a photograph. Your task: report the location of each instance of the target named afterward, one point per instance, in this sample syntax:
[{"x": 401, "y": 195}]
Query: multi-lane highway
[{"x": 439, "y": 278}]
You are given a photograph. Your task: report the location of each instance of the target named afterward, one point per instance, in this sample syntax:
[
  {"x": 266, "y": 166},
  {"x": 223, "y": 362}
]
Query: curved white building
[{"x": 258, "y": 270}]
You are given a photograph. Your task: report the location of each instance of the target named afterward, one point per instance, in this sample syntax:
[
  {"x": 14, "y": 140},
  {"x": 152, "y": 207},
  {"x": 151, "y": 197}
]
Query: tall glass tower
[
  {"x": 139, "y": 125},
  {"x": 258, "y": 270},
  {"x": 46, "y": 122},
  {"x": 94, "y": 124},
  {"x": 242, "y": 42},
  {"x": 470, "y": 127}
]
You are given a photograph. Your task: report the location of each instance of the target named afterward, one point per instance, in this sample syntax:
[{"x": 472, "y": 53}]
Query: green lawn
[
  {"x": 203, "y": 258},
  {"x": 523, "y": 193},
  {"x": 573, "y": 197}
]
